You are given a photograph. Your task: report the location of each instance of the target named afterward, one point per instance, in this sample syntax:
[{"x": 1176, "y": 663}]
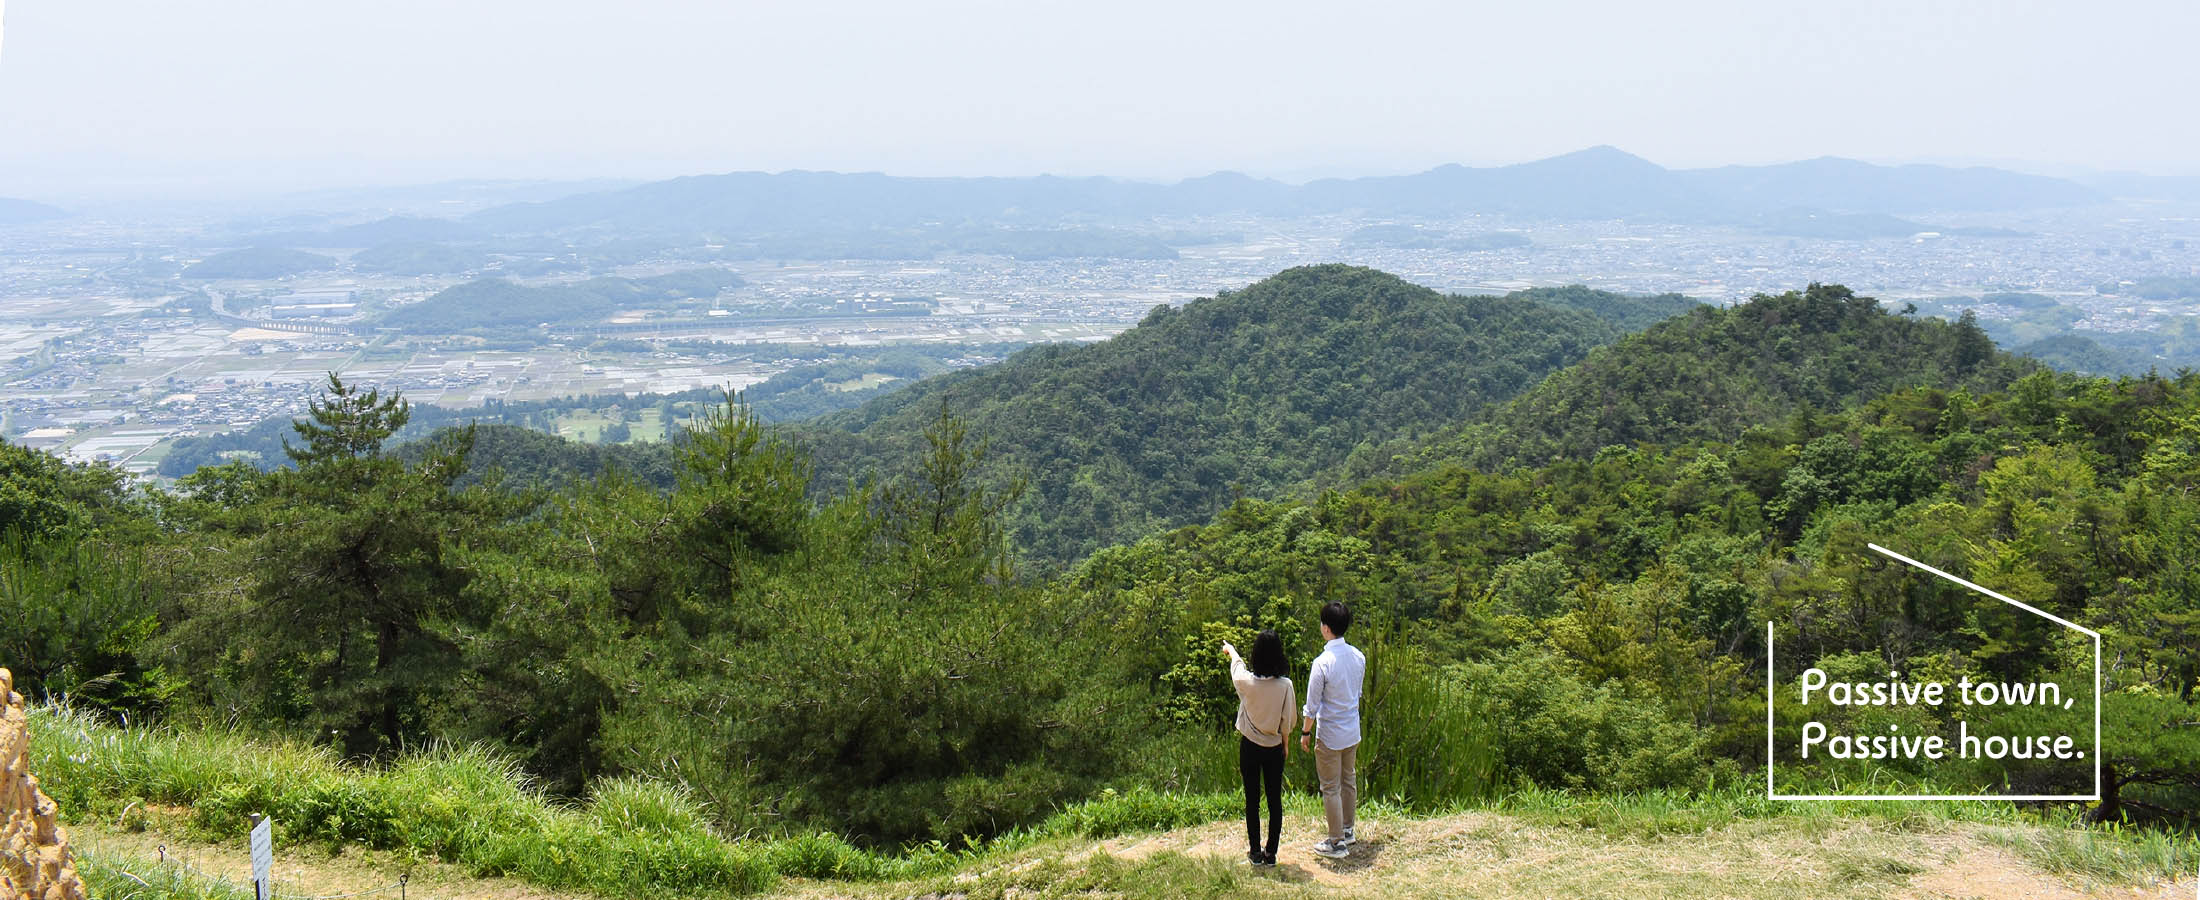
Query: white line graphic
[{"x": 1772, "y": 794}]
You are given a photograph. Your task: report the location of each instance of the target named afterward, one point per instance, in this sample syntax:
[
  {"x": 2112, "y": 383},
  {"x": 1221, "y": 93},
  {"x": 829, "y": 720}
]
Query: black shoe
[{"x": 1258, "y": 859}]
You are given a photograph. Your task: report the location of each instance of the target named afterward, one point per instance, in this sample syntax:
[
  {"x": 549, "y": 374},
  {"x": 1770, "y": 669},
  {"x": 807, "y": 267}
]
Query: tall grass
[
  {"x": 1431, "y": 746},
  {"x": 463, "y": 805},
  {"x": 475, "y": 808}
]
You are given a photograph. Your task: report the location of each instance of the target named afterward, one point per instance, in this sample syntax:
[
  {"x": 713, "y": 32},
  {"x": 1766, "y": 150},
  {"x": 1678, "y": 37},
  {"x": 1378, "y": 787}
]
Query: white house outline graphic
[{"x": 1771, "y": 794}]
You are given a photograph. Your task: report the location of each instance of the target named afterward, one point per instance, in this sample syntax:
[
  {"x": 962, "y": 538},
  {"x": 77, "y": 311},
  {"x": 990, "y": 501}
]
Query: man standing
[{"x": 1332, "y": 719}]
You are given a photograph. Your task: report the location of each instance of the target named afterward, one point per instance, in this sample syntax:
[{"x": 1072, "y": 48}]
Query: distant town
[{"x": 115, "y": 340}]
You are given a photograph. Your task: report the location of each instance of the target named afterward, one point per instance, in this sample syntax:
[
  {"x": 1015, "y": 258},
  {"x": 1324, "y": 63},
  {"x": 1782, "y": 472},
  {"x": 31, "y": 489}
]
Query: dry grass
[{"x": 1501, "y": 857}]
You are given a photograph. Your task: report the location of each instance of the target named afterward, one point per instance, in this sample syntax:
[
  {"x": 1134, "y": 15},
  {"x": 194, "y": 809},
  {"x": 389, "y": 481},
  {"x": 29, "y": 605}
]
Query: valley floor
[{"x": 1480, "y": 855}]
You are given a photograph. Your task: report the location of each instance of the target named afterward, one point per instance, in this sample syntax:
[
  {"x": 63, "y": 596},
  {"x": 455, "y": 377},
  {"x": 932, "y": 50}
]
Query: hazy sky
[{"x": 294, "y": 92}]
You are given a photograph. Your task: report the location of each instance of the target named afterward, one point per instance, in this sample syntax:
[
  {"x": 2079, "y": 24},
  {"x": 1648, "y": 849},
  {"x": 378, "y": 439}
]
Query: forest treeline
[
  {"x": 521, "y": 436},
  {"x": 1575, "y": 600},
  {"x": 1713, "y": 373}
]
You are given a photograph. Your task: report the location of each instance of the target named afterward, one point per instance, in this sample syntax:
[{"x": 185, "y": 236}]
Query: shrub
[
  {"x": 822, "y": 855},
  {"x": 1552, "y": 728},
  {"x": 639, "y": 805}
]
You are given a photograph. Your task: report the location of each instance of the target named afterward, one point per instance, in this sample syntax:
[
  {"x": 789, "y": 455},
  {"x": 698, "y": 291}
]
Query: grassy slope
[
  {"x": 465, "y": 826},
  {"x": 1549, "y": 852}
]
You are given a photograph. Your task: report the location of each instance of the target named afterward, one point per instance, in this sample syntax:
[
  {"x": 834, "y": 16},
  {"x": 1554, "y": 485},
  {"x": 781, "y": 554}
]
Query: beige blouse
[{"x": 1265, "y": 705}]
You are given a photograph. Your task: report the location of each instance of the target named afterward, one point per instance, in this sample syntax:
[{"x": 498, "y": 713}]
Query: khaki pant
[{"x": 1338, "y": 771}]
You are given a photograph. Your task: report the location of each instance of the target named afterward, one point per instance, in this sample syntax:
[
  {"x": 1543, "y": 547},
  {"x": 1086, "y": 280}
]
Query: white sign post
[{"x": 263, "y": 858}]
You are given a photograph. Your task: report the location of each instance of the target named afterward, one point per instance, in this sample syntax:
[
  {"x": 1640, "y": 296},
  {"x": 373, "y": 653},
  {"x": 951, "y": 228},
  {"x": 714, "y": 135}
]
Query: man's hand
[
  {"x": 1306, "y": 742},
  {"x": 1228, "y": 650}
]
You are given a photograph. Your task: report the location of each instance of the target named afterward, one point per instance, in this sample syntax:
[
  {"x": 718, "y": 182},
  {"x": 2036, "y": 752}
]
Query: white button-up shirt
[{"x": 1333, "y": 694}]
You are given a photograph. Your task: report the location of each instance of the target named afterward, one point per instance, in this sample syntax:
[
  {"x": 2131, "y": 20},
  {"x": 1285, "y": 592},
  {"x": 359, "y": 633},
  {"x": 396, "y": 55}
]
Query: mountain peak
[
  {"x": 16, "y": 212},
  {"x": 1225, "y": 177},
  {"x": 1259, "y": 389},
  {"x": 1599, "y": 157}
]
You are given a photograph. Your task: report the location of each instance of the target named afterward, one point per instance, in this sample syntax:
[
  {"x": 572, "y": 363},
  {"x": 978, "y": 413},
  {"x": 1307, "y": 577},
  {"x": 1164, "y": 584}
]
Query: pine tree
[
  {"x": 347, "y": 424},
  {"x": 358, "y": 594},
  {"x": 946, "y": 525},
  {"x": 1973, "y": 347}
]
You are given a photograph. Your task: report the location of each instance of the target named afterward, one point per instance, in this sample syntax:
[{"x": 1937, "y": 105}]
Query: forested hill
[
  {"x": 1247, "y": 392},
  {"x": 1713, "y": 373},
  {"x": 1630, "y": 313},
  {"x": 527, "y": 456}
]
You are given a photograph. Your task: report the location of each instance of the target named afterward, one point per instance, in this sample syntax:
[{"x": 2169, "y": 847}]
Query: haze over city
[{"x": 130, "y": 97}]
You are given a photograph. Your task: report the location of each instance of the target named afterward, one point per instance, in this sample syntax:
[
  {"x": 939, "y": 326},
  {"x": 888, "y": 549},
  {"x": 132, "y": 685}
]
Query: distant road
[
  {"x": 219, "y": 302},
  {"x": 730, "y": 323}
]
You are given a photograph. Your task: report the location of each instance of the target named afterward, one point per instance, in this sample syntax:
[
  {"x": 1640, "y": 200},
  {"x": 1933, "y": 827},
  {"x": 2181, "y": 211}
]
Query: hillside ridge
[
  {"x": 1248, "y": 392},
  {"x": 1714, "y": 372}
]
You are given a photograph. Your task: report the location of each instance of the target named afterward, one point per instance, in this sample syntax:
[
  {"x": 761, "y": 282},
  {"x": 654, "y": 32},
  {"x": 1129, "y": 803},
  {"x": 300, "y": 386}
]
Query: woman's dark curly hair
[{"x": 1267, "y": 660}]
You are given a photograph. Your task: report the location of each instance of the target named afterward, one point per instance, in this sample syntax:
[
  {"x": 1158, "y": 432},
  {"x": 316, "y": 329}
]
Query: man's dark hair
[
  {"x": 1267, "y": 661},
  {"x": 1337, "y": 617}
]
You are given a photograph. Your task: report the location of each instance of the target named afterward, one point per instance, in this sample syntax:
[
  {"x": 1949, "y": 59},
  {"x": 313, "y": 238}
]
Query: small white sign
[{"x": 263, "y": 858}]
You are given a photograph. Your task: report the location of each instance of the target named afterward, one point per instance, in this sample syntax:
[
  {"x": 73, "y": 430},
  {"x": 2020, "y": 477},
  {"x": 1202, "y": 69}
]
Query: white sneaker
[
  {"x": 1332, "y": 848},
  {"x": 1349, "y": 838}
]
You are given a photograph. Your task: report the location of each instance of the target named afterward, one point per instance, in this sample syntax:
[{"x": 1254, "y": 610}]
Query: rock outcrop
[{"x": 34, "y": 853}]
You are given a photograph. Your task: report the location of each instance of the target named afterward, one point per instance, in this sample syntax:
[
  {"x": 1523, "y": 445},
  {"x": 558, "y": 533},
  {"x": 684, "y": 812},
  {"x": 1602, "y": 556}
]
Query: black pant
[{"x": 1262, "y": 767}]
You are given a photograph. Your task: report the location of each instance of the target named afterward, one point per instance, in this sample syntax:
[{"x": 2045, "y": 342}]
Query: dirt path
[
  {"x": 1295, "y": 861},
  {"x": 1487, "y": 855}
]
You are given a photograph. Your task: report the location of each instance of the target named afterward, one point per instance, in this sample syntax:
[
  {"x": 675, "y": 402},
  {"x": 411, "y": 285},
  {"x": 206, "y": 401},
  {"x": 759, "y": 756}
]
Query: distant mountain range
[
  {"x": 19, "y": 212},
  {"x": 258, "y": 262},
  {"x": 1597, "y": 183}
]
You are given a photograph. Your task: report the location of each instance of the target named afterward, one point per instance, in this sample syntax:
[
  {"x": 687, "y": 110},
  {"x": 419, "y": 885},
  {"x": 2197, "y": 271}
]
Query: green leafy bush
[{"x": 1552, "y": 728}]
